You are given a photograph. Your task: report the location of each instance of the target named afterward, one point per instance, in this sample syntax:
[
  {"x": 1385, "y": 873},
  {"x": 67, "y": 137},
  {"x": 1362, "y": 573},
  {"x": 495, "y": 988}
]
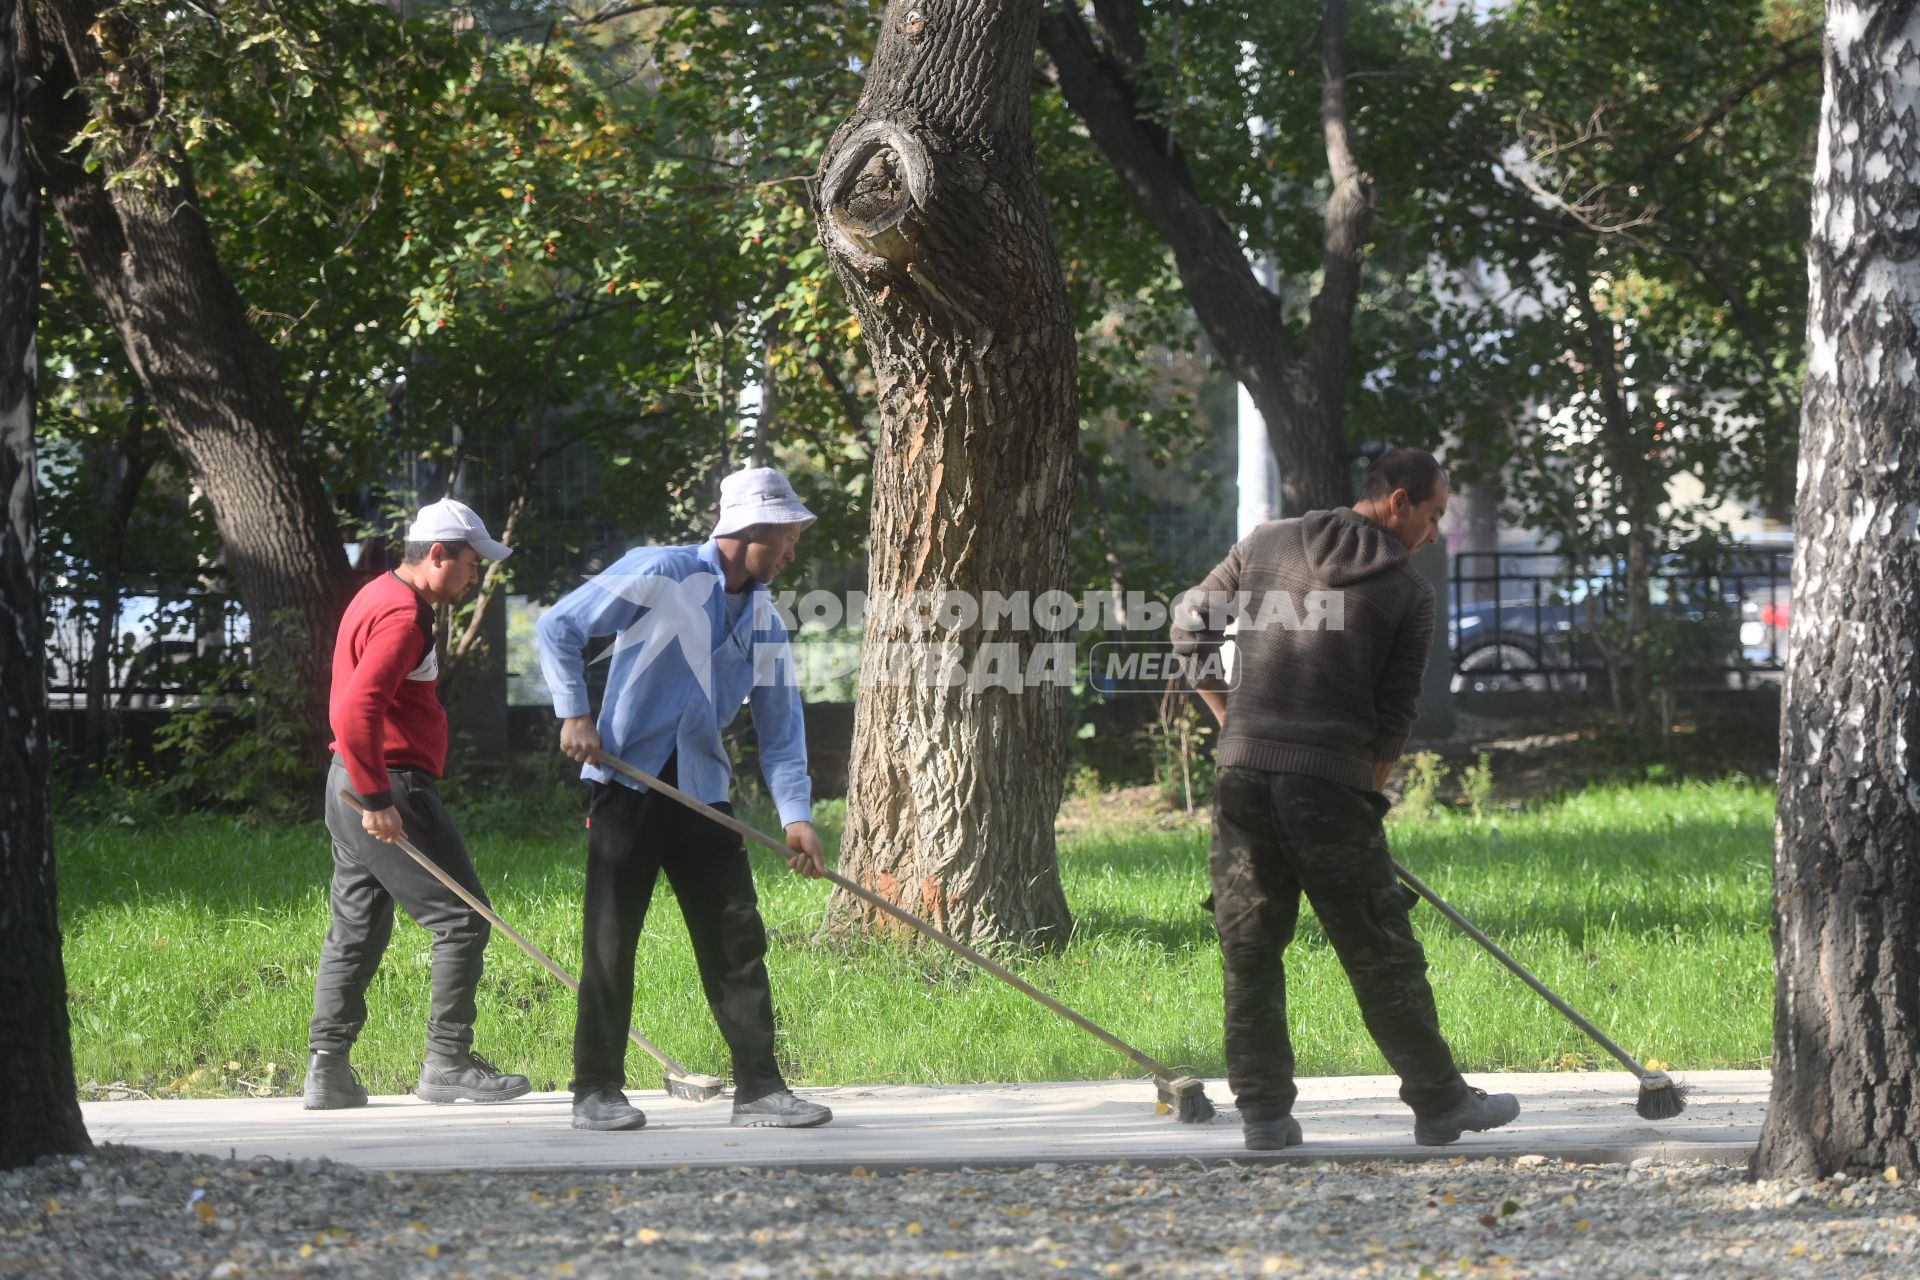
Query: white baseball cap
[
  {"x": 450, "y": 521},
  {"x": 758, "y": 495}
]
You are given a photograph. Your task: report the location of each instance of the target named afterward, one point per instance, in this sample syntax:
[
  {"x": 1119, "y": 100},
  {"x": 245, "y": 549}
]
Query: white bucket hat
[
  {"x": 450, "y": 521},
  {"x": 758, "y": 495}
]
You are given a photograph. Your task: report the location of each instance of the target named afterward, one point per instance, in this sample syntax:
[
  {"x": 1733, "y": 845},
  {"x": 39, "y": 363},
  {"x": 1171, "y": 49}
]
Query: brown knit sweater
[{"x": 1329, "y": 684}]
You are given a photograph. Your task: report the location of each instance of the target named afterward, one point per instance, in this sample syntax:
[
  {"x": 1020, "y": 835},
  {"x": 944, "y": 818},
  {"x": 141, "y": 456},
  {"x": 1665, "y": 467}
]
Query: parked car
[{"x": 1548, "y": 632}]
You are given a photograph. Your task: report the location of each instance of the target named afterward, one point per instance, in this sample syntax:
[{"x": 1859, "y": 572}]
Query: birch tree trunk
[
  {"x": 929, "y": 208},
  {"x": 1846, "y": 914},
  {"x": 39, "y": 1113}
]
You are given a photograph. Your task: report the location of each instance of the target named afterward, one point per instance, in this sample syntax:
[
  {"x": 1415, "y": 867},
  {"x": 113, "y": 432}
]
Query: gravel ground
[{"x": 123, "y": 1212}]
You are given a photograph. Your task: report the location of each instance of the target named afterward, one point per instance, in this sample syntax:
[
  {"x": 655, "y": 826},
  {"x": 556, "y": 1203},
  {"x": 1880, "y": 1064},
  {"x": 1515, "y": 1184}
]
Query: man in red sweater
[{"x": 389, "y": 744}]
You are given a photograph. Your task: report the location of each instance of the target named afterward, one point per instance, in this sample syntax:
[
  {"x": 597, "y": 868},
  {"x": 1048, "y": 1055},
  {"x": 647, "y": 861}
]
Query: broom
[
  {"x": 677, "y": 1080},
  {"x": 1661, "y": 1098},
  {"x": 1182, "y": 1096}
]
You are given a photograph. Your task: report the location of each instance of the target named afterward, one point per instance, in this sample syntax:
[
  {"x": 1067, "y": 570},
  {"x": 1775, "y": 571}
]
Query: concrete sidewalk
[{"x": 1574, "y": 1116}]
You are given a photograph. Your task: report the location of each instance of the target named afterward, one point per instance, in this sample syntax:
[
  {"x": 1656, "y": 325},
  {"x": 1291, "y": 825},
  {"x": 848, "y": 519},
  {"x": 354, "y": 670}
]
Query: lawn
[{"x": 190, "y": 948}]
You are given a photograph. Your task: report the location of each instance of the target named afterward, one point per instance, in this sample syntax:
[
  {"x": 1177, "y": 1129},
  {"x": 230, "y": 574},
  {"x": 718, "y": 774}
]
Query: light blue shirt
[{"x": 678, "y": 673}]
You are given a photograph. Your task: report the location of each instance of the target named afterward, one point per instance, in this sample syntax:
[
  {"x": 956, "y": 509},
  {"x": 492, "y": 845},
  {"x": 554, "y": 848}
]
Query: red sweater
[{"x": 384, "y": 710}]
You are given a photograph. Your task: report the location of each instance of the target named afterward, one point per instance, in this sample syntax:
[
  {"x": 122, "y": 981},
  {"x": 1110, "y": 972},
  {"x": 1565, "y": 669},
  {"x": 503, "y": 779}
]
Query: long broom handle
[
  {"x": 486, "y": 912},
  {"x": 905, "y": 917},
  {"x": 1493, "y": 948}
]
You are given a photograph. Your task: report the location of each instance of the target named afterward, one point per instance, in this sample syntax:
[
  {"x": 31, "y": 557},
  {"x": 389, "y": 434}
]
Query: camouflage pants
[{"x": 1275, "y": 836}]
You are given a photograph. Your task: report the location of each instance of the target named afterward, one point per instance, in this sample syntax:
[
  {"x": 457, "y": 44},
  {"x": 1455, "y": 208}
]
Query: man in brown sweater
[{"x": 1333, "y": 628}]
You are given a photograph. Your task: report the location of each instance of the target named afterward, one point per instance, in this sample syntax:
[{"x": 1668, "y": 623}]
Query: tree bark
[
  {"x": 148, "y": 254},
  {"x": 39, "y": 1112},
  {"x": 1625, "y": 454},
  {"x": 123, "y": 497},
  {"x": 1299, "y": 388},
  {"x": 929, "y": 209},
  {"x": 1846, "y": 914}
]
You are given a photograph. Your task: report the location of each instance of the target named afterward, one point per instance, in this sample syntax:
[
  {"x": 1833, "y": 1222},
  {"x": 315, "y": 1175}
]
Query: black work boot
[
  {"x": 466, "y": 1077},
  {"x": 779, "y": 1111},
  {"x": 606, "y": 1108},
  {"x": 331, "y": 1084},
  {"x": 1271, "y": 1135},
  {"x": 1478, "y": 1111}
]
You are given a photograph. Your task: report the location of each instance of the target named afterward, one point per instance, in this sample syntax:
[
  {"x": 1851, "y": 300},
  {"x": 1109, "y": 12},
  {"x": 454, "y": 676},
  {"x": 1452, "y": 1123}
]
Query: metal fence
[
  {"x": 1538, "y": 621},
  {"x": 170, "y": 643}
]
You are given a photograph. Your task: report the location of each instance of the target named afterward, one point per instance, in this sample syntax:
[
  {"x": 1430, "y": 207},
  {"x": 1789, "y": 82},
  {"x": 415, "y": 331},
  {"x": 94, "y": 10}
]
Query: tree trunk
[
  {"x": 1299, "y": 388},
  {"x": 123, "y": 499},
  {"x": 1846, "y": 915},
  {"x": 1625, "y": 455},
  {"x": 39, "y": 1114},
  {"x": 930, "y": 211},
  {"x": 149, "y": 255}
]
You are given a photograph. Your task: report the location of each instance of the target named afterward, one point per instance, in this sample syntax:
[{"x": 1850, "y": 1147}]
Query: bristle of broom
[
  {"x": 1185, "y": 1098},
  {"x": 693, "y": 1087},
  {"x": 1661, "y": 1098}
]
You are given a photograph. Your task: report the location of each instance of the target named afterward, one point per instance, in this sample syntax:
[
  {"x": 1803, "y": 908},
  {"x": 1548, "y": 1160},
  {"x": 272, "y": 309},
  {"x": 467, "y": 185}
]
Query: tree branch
[
  {"x": 1802, "y": 57},
  {"x": 1349, "y": 210},
  {"x": 1243, "y": 319}
]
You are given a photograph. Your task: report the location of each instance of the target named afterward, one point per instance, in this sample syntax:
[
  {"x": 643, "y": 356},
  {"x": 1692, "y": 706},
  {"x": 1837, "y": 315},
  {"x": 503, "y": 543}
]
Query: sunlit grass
[{"x": 191, "y": 943}]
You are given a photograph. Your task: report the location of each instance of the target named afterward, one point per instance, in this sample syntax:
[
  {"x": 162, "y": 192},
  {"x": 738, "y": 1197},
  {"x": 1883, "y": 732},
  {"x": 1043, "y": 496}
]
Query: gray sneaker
[
  {"x": 331, "y": 1084},
  {"x": 466, "y": 1077},
  {"x": 1271, "y": 1135},
  {"x": 779, "y": 1111},
  {"x": 606, "y": 1108},
  {"x": 1479, "y": 1111}
]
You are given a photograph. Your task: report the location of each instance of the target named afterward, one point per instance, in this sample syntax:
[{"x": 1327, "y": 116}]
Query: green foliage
[
  {"x": 1654, "y": 164},
  {"x": 1476, "y": 784},
  {"x": 1426, "y": 773},
  {"x": 1182, "y": 767},
  {"x": 241, "y": 752}
]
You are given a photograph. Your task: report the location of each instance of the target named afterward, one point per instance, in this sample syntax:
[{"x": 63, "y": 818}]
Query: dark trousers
[
  {"x": 369, "y": 877},
  {"x": 632, "y": 837},
  {"x": 1275, "y": 836}
]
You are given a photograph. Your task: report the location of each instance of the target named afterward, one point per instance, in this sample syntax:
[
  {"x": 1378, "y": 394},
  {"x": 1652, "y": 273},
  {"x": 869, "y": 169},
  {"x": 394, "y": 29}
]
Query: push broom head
[
  {"x": 693, "y": 1087},
  {"x": 1185, "y": 1098},
  {"x": 1660, "y": 1097}
]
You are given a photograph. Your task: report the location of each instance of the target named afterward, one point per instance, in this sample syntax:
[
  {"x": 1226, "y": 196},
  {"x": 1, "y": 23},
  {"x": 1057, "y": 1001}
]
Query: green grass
[{"x": 190, "y": 944}]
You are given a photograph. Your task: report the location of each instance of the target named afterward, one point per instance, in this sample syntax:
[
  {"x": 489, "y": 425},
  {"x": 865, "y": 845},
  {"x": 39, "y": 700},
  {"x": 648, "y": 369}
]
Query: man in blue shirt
[{"x": 695, "y": 635}]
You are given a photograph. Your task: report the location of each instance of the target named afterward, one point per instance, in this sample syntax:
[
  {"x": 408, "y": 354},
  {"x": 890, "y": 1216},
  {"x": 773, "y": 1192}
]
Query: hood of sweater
[{"x": 1344, "y": 547}]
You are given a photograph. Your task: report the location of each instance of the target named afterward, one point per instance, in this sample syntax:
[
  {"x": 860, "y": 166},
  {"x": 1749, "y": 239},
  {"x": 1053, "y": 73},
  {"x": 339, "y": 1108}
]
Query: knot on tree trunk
[{"x": 872, "y": 195}]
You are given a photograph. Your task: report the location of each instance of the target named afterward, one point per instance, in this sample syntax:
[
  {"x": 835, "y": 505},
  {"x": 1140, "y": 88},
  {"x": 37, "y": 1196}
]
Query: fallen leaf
[
  {"x": 206, "y": 1211},
  {"x": 913, "y": 1228}
]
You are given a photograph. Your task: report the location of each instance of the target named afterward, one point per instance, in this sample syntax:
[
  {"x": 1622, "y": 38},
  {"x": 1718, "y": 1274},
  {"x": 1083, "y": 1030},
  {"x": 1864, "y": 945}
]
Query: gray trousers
[{"x": 369, "y": 877}]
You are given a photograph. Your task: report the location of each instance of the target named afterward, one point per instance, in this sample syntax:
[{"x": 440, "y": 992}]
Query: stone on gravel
[{"x": 121, "y": 1216}]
